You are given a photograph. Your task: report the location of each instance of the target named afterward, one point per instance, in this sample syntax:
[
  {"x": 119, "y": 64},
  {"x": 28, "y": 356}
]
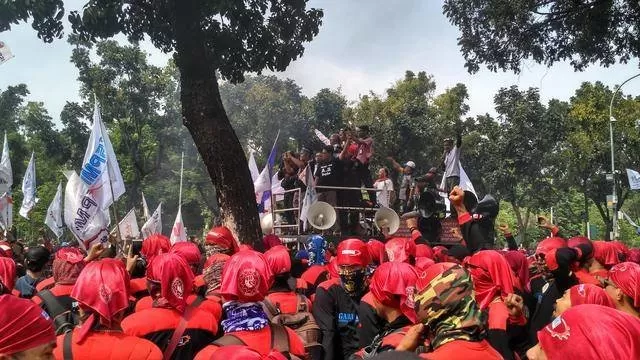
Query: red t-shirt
[
  {"x": 464, "y": 350},
  {"x": 260, "y": 341},
  {"x": 109, "y": 345}
]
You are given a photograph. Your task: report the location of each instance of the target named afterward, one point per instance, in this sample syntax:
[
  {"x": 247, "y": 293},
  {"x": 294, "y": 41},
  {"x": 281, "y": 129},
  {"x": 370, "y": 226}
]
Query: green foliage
[{"x": 502, "y": 34}]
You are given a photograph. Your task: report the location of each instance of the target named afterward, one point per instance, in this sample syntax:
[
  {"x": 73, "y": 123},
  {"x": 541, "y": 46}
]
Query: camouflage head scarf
[{"x": 445, "y": 304}]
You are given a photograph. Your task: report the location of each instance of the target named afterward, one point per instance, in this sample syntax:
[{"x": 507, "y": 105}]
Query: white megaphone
[
  {"x": 321, "y": 215},
  {"x": 266, "y": 223},
  {"x": 387, "y": 218}
]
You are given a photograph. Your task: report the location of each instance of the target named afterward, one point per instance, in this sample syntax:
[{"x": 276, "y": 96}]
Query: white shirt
[
  {"x": 452, "y": 163},
  {"x": 387, "y": 184}
]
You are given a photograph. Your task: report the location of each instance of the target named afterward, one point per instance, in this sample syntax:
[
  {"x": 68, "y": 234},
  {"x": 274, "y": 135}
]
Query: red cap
[
  {"x": 175, "y": 277},
  {"x": 27, "y": 326},
  {"x": 393, "y": 284},
  {"x": 67, "y": 265},
  {"x": 353, "y": 252},
  {"x": 7, "y": 273},
  {"x": 589, "y": 294},
  {"x": 400, "y": 249},
  {"x": 222, "y": 237},
  {"x": 626, "y": 276},
  {"x": 155, "y": 245},
  {"x": 102, "y": 287},
  {"x": 278, "y": 259},
  {"x": 246, "y": 277},
  {"x": 188, "y": 250}
]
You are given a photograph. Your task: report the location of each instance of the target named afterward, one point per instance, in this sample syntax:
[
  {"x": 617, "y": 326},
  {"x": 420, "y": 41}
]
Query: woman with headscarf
[
  {"x": 391, "y": 294},
  {"x": 246, "y": 279},
  {"x": 582, "y": 294},
  {"x": 591, "y": 332},
  {"x": 444, "y": 304},
  {"x": 7, "y": 275},
  {"x": 102, "y": 291},
  {"x": 336, "y": 305},
  {"x": 623, "y": 286},
  {"x": 68, "y": 262},
  {"x": 170, "y": 280},
  {"x": 26, "y": 330},
  {"x": 220, "y": 240},
  {"x": 495, "y": 285}
]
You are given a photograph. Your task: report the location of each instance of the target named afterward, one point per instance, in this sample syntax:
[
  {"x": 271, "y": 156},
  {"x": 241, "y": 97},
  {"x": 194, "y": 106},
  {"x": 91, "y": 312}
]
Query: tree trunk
[
  {"x": 205, "y": 118},
  {"x": 522, "y": 226},
  {"x": 606, "y": 218}
]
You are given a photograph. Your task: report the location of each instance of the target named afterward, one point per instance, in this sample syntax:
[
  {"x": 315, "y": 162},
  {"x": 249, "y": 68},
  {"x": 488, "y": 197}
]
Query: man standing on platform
[{"x": 451, "y": 162}]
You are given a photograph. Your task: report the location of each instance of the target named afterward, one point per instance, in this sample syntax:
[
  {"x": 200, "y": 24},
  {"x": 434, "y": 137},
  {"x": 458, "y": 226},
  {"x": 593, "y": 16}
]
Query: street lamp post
[{"x": 614, "y": 219}]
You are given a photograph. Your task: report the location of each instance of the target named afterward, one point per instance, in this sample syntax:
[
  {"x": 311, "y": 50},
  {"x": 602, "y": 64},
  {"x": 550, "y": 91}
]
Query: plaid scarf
[{"x": 447, "y": 307}]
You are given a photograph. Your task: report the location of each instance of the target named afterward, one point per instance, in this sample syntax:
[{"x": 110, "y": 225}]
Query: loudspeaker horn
[
  {"x": 387, "y": 218},
  {"x": 321, "y": 215}
]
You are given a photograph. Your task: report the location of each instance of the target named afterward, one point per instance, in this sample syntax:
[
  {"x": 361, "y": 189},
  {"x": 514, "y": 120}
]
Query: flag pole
[{"x": 181, "y": 172}]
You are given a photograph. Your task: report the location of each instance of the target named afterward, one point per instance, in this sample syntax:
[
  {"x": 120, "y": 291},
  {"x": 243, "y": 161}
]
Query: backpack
[
  {"x": 302, "y": 322},
  {"x": 279, "y": 341},
  {"x": 64, "y": 320}
]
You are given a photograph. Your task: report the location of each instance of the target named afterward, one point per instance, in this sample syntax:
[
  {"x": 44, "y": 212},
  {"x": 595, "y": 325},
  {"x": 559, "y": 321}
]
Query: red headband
[{"x": 27, "y": 326}]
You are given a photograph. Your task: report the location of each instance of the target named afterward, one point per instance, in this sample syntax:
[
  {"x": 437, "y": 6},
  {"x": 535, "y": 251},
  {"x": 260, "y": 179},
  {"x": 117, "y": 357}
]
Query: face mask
[{"x": 353, "y": 281}]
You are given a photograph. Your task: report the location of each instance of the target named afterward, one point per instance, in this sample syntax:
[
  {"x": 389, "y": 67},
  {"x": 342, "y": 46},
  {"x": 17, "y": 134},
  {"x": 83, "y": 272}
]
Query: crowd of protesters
[{"x": 400, "y": 298}]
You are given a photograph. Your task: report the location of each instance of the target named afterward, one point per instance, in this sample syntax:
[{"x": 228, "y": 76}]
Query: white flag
[
  {"x": 6, "y": 211},
  {"x": 145, "y": 208},
  {"x": 154, "y": 224},
  {"x": 5, "y": 53},
  {"x": 6, "y": 174},
  {"x": 310, "y": 197},
  {"x": 634, "y": 179},
  {"x": 54, "y": 213},
  {"x": 100, "y": 170},
  {"x": 82, "y": 214},
  {"x": 253, "y": 167},
  {"x": 29, "y": 200},
  {"x": 325, "y": 140},
  {"x": 129, "y": 226},
  {"x": 178, "y": 232}
]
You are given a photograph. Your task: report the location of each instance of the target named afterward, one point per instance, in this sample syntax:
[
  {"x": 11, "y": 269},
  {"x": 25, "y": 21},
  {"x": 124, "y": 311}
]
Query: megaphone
[
  {"x": 266, "y": 223},
  {"x": 321, "y": 215},
  {"x": 387, "y": 218}
]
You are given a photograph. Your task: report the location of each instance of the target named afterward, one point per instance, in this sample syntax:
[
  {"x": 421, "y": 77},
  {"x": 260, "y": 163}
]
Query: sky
[{"x": 363, "y": 46}]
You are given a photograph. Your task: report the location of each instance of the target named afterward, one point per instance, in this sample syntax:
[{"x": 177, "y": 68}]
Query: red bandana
[
  {"x": 376, "y": 251},
  {"x": 188, "y": 250},
  {"x": 605, "y": 253},
  {"x": 27, "y": 327},
  {"x": 67, "y": 265},
  {"x": 423, "y": 250},
  {"x": 626, "y": 276},
  {"x": 393, "y": 284},
  {"x": 278, "y": 259},
  {"x": 175, "y": 277},
  {"x": 589, "y": 294},
  {"x": 155, "y": 245},
  {"x": 246, "y": 277},
  {"x": 7, "y": 273},
  {"x": 222, "y": 237},
  {"x": 492, "y": 276},
  {"x": 400, "y": 249}
]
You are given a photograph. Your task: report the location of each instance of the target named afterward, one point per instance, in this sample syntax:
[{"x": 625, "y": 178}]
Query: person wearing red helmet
[
  {"x": 220, "y": 240},
  {"x": 336, "y": 304},
  {"x": 391, "y": 292},
  {"x": 623, "y": 286},
  {"x": 102, "y": 291},
  {"x": 246, "y": 279},
  {"x": 170, "y": 281},
  {"x": 591, "y": 332},
  {"x": 27, "y": 333}
]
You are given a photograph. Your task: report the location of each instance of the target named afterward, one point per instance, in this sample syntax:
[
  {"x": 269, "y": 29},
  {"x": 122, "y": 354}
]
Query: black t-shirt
[{"x": 329, "y": 174}]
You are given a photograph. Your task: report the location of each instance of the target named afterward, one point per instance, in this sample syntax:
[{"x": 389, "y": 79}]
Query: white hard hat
[{"x": 410, "y": 164}]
